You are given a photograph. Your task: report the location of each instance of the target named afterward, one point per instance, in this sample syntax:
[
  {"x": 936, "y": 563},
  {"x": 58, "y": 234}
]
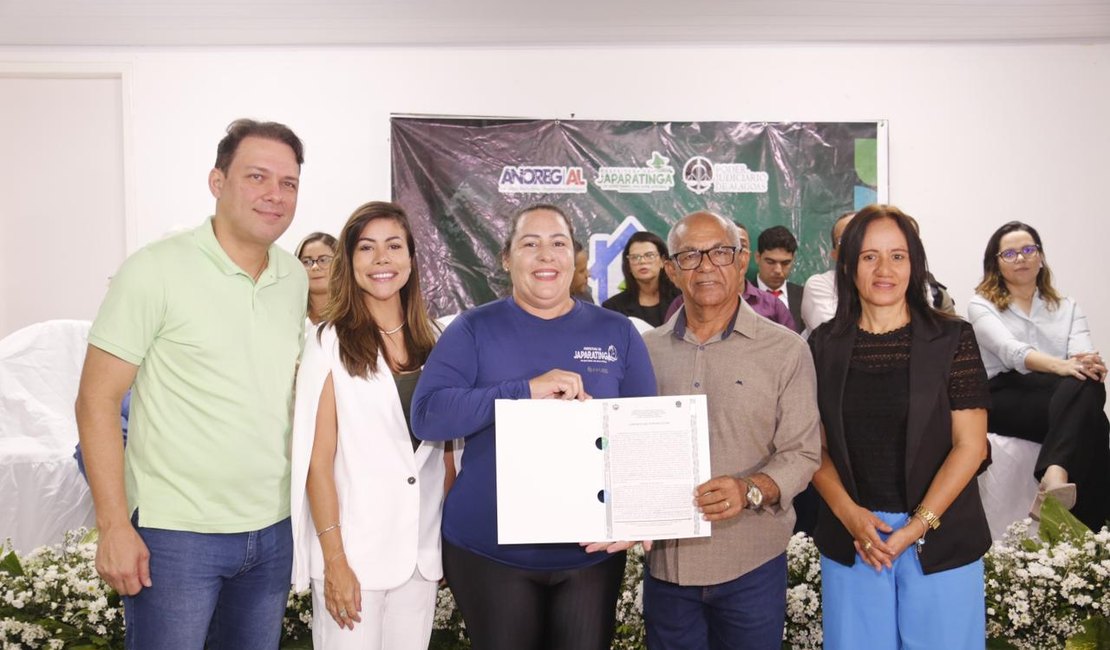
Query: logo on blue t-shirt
[{"x": 592, "y": 354}]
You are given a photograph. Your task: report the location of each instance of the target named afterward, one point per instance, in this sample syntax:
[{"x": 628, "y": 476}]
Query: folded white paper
[{"x": 600, "y": 470}]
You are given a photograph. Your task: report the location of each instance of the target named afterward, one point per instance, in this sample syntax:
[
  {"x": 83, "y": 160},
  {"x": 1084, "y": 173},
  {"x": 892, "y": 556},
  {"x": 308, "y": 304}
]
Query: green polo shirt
[{"x": 208, "y": 444}]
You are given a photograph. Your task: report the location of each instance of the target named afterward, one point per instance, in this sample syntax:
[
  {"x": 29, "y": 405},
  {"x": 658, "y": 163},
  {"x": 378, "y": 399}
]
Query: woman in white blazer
[{"x": 366, "y": 495}]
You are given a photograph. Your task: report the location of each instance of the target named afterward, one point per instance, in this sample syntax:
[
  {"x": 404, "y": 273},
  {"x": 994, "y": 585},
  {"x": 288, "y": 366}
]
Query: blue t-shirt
[{"x": 490, "y": 353}]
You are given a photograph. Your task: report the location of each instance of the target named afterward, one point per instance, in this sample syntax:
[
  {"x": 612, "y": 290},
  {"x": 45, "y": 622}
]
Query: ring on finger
[
  {"x": 342, "y": 613},
  {"x": 867, "y": 545},
  {"x": 727, "y": 504}
]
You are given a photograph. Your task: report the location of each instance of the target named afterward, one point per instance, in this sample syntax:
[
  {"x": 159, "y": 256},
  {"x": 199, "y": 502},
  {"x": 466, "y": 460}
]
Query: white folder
[{"x": 601, "y": 470}]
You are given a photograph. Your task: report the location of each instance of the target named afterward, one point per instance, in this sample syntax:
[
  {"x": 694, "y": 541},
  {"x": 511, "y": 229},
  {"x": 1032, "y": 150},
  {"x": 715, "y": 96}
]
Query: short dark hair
[
  {"x": 777, "y": 237},
  {"x": 832, "y": 231},
  {"x": 747, "y": 233},
  {"x": 246, "y": 128},
  {"x": 848, "y": 308},
  {"x": 508, "y": 244},
  {"x": 312, "y": 238}
]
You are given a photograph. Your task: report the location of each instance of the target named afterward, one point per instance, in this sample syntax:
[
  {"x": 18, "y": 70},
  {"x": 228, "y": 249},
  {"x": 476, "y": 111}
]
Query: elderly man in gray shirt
[{"x": 729, "y": 590}]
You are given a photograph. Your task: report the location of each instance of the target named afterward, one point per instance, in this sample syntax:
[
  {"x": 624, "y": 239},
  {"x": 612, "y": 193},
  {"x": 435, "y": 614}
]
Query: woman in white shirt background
[
  {"x": 1047, "y": 381},
  {"x": 367, "y": 496}
]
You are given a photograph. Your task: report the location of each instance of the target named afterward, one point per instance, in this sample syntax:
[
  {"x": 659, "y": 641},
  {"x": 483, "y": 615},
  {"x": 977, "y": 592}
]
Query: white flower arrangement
[
  {"x": 448, "y": 628},
  {"x": 1051, "y": 589},
  {"x": 630, "y": 634},
  {"x": 803, "y": 595},
  {"x": 53, "y": 598},
  {"x": 296, "y": 628},
  {"x": 1048, "y": 590}
]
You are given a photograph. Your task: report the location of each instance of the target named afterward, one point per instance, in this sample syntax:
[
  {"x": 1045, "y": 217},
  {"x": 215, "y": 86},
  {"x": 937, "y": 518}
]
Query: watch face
[{"x": 755, "y": 496}]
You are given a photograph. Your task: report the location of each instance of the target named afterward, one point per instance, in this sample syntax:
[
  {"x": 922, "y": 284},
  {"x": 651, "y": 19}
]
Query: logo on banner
[
  {"x": 606, "y": 250},
  {"x": 540, "y": 179},
  {"x": 701, "y": 175},
  {"x": 698, "y": 174},
  {"x": 656, "y": 176}
]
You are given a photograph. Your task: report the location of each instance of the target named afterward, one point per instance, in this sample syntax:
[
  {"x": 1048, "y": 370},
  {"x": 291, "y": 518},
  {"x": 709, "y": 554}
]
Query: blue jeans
[
  {"x": 748, "y": 612},
  {"x": 225, "y": 590}
]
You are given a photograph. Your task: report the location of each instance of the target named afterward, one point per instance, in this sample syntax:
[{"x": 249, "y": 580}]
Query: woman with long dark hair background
[{"x": 647, "y": 289}]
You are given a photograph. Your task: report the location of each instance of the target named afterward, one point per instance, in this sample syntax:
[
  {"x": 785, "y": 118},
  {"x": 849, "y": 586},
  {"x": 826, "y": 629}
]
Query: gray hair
[{"x": 731, "y": 229}]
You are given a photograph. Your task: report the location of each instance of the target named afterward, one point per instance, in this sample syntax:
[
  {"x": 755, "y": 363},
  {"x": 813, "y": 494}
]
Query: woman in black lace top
[{"x": 903, "y": 399}]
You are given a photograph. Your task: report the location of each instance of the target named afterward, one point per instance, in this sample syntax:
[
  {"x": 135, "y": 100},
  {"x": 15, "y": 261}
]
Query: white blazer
[{"x": 390, "y": 498}]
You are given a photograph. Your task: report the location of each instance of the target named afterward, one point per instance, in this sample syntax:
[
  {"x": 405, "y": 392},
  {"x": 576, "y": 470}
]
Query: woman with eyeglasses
[
  {"x": 647, "y": 289},
  {"x": 316, "y": 253},
  {"x": 1047, "y": 381}
]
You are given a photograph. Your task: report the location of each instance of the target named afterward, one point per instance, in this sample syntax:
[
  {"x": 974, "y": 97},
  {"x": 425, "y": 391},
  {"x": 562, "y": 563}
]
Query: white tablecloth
[
  {"x": 1007, "y": 487},
  {"x": 42, "y": 494}
]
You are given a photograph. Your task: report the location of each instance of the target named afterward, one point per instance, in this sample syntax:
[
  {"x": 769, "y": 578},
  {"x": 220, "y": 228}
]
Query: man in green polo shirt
[{"x": 207, "y": 327}]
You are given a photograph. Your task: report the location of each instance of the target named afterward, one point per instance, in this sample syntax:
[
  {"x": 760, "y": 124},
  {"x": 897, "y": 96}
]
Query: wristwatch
[{"x": 755, "y": 495}]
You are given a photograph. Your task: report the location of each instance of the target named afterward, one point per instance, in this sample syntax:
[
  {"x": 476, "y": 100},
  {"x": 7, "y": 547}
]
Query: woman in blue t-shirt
[{"x": 522, "y": 596}]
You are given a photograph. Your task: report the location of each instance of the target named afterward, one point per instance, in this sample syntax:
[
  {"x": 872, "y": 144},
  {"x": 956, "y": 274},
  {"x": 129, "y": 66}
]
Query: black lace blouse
[{"x": 876, "y": 404}]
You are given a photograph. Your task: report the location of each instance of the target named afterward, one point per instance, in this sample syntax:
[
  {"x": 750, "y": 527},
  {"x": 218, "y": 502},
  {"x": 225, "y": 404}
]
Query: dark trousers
[
  {"x": 1065, "y": 415},
  {"x": 506, "y": 608},
  {"x": 747, "y": 613}
]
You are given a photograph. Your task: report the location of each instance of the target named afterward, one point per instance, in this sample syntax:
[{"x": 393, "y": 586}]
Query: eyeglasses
[
  {"x": 1010, "y": 255},
  {"x": 720, "y": 256},
  {"x": 324, "y": 261},
  {"x": 644, "y": 257}
]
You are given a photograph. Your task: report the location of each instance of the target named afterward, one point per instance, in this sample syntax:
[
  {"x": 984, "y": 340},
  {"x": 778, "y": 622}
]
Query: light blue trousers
[{"x": 902, "y": 608}]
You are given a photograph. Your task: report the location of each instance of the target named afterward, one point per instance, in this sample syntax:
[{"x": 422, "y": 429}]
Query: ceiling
[{"x": 569, "y": 22}]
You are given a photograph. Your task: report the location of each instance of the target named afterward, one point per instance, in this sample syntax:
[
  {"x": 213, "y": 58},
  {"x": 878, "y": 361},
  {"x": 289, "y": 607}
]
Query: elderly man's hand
[{"x": 721, "y": 498}]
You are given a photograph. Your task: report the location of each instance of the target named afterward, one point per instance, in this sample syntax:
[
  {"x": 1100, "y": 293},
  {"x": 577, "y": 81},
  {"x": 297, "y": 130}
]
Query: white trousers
[{"x": 395, "y": 619}]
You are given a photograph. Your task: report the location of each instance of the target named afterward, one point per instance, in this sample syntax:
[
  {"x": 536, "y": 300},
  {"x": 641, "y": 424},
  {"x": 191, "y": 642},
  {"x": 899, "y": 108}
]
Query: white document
[{"x": 600, "y": 470}]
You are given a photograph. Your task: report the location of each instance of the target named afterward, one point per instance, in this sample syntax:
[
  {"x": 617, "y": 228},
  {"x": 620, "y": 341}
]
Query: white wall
[
  {"x": 61, "y": 179},
  {"x": 979, "y": 135}
]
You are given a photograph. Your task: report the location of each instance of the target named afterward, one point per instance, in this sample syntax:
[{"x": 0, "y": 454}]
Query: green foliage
[
  {"x": 10, "y": 565},
  {"x": 1095, "y": 635},
  {"x": 1058, "y": 525},
  {"x": 1044, "y": 589}
]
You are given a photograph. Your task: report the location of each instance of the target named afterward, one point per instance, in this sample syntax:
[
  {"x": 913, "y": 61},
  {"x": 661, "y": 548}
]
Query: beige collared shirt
[{"x": 762, "y": 397}]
